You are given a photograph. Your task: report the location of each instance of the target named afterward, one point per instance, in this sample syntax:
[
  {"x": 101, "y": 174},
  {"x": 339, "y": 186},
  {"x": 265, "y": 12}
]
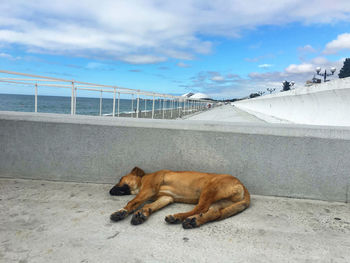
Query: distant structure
[
  {"x": 314, "y": 80},
  {"x": 187, "y": 95},
  {"x": 200, "y": 96},
  {"x": 197, "y": 96}
]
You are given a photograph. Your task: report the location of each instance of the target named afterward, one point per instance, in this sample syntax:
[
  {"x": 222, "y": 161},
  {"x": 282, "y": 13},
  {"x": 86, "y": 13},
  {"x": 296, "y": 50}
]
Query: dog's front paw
[
  {"x": 119, "y": 215},
  {"x": 138, "y": 218},
  {"x": 190, "y": 223},
  {"x": 172, "y": 220}
]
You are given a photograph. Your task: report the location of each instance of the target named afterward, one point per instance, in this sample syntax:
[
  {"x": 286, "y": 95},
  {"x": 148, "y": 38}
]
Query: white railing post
[
  {"x": 101, "y": 103},
  {"x": 72, "y": 100},
  {"x": 145, "y": 108},
  {"x": 36, "y": 98},
  {"x": 132, "y": 105},
  {"x": 172, "y": 106},
  {"x": 114, "y": 102},
  {"x": 153, "y": 108},
  {"x": 118, "y": 102},
  {"x": 75, "y": 100},
  {"x": 163, "y": 108},
  {"x": 137, "y": 106},
  {"x": 184, "y": 107}
]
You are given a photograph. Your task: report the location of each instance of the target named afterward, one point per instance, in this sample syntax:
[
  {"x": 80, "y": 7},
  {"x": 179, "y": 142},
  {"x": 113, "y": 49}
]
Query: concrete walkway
[
  {"x": 43, "y": 221},
  {"x": 225, "y": 113}
]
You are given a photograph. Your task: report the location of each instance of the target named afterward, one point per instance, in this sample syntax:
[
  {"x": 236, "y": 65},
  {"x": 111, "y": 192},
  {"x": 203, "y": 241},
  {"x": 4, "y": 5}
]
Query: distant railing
[{"x": 178, "y": 105}]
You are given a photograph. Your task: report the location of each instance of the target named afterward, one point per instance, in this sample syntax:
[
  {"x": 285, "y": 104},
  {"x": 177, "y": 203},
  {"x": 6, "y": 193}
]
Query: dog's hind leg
[
  {"x": 215, "y": 191},
  {"x": 221, "y": 209},
  {"x": 218, "y": 211},
  {"x": 197, "y": 220},
  {"x": 207, "y": 198},
  {"x": 141, "y": 215}
]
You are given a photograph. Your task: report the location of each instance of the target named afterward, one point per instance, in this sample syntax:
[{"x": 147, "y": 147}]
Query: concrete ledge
[{"x": 279, "y": 160}]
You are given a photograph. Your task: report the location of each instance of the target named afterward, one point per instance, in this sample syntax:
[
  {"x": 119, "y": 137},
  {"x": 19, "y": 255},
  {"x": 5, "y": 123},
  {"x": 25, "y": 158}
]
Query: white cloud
[
  {"x": 182, "y": 65},
  {"x": 9, "y": 56},
  {"x": 265, "y": 66},
  {"x": 143, "y": 59},
  {"x": 307, "y": 49},
  {"x": 147, "y": 31},
  {"x": 217, "y": 78},
  {"x": 5, "y": 55},
  {"x": 301, "y": 68},
  {"x": 342, "y": 42}
]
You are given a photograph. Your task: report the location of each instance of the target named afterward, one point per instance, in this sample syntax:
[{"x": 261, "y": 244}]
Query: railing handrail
[{"x": 52, "y": 79}]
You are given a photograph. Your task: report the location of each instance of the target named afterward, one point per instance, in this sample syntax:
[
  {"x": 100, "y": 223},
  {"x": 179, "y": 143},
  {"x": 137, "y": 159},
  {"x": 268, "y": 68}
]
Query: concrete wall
[
  {"x": 321, "y": 104},
  {"x": 279, "y": 160}
]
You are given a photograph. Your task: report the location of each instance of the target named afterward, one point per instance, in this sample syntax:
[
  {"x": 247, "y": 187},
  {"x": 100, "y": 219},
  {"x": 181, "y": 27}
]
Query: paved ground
[
  {"x": 226, "y": 113},
  {"x": 42, "y": 221}
]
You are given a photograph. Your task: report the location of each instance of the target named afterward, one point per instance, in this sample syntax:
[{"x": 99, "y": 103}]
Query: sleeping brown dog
[{"x": 217, "y": 196}]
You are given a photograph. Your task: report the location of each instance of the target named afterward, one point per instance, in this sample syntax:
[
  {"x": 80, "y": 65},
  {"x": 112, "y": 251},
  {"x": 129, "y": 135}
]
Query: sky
[{"x": 226, "y": 49}]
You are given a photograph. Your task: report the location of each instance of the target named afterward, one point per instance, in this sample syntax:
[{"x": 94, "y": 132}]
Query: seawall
[
  {"x": 319, "y": 104},
  {"x": 278, "y": 160}
]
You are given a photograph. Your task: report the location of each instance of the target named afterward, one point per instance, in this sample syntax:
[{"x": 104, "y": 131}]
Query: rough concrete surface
[
  {"x": 43, "y": 221},
  {"x": 226, "y": 113}
]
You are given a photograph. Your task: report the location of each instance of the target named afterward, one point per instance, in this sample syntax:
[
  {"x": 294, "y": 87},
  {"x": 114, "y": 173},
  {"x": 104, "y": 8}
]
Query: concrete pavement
[
  {"x": 44, "y": 221},
  {"x": 225, "y": 113}
]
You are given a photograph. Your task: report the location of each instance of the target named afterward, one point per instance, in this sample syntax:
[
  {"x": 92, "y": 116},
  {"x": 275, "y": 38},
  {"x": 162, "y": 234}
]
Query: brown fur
[{"x": 217, "y": 196}]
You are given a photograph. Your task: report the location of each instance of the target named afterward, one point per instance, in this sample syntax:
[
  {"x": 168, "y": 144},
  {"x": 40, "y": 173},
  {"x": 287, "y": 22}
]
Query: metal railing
[{"x": 178, "y": 105}]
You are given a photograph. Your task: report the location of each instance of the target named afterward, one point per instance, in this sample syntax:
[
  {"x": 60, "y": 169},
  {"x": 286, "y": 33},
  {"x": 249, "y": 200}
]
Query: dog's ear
[{"x": 137, "y": 171}]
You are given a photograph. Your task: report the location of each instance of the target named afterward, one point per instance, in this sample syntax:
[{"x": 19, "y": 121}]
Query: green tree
[{"x": 345, "y": 70}]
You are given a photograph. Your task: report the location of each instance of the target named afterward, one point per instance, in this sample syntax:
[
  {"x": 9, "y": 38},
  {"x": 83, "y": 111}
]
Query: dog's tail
[{"x": 246, "y": 197}]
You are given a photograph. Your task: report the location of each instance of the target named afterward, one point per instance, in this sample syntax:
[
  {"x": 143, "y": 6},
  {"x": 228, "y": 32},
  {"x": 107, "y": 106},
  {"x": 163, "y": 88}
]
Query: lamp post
[
  {"x": 271, "y": 90},
  {"x": 325, "y": 74}
]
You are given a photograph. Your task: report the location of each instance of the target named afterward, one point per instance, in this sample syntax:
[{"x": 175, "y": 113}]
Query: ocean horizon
[{"x": 84, "y": 105}]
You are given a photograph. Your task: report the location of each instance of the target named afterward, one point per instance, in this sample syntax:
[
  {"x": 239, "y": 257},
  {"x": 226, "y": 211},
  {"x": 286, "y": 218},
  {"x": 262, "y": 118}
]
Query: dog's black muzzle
[{"x": 120, "y": 190}]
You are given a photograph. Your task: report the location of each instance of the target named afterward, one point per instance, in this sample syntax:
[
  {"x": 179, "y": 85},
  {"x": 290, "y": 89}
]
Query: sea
[{"x": 84, "y": 106}]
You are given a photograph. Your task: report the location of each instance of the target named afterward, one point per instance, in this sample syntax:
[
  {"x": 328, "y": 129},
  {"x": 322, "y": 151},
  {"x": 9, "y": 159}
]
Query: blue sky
[{"x": 223, "y": 48}]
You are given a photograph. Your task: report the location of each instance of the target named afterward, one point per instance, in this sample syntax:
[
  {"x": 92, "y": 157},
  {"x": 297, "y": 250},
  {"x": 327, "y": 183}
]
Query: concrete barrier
[
  {"x": 278, "y": 160},
  {"x": 320, "y": 104}
]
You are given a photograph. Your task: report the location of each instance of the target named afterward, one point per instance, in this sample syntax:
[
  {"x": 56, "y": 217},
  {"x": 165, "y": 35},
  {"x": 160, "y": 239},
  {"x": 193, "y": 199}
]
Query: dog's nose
[
  {"x": 112, "y": 191},
  {"x": 117, "y": 190}
]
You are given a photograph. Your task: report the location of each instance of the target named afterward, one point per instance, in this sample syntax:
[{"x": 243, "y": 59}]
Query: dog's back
[{"x": 187, "y": 186}]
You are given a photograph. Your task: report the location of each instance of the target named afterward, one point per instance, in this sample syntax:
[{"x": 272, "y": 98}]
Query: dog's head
[{"x": 128, "y": 184}]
